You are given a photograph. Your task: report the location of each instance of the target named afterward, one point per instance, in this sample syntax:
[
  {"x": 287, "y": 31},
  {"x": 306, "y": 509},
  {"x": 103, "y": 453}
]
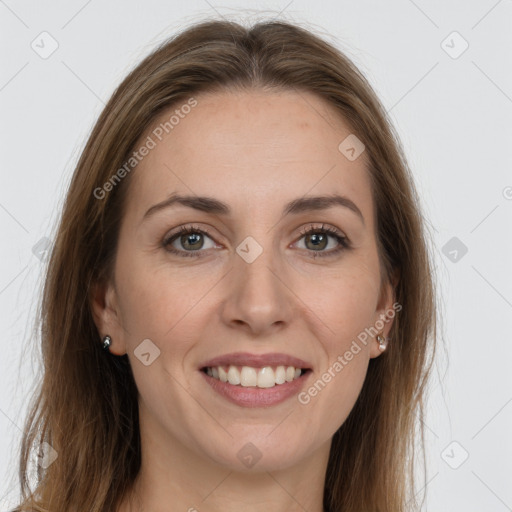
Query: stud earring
[
  {"x": 382, "y": 342},
  {"x": 107, "y": 341}
]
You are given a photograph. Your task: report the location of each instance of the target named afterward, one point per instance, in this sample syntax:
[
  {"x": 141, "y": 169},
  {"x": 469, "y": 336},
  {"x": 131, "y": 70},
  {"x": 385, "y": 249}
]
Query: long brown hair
[{"x": 86, "y": 406}]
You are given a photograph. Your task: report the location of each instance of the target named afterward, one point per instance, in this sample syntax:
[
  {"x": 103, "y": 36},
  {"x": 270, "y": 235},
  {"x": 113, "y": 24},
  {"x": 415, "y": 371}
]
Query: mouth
[{"x": 255, "y": 377}]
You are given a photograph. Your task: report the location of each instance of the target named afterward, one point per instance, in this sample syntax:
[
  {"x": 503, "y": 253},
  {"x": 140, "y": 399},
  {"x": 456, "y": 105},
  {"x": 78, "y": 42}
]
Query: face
[{"x": 260, "y": 275}]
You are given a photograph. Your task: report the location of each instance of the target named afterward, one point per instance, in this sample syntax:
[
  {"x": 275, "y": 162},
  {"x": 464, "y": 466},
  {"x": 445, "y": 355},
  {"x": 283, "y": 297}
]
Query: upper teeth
[{"x": 266, "y": 377}]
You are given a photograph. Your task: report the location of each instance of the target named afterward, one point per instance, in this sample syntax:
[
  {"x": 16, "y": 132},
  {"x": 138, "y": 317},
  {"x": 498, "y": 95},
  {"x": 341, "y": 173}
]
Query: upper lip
[{"x": 256, "y": 360}]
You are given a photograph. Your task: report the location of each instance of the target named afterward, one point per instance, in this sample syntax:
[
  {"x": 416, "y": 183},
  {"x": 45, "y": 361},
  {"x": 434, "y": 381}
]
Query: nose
[{"x": 258, "y": 298}]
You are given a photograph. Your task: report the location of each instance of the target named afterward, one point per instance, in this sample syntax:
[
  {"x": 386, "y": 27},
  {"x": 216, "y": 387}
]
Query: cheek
[
  {"x": 331, "y": 395},
  {"x": 156, "y": 299},
  {"x": 345, "y": 301}
]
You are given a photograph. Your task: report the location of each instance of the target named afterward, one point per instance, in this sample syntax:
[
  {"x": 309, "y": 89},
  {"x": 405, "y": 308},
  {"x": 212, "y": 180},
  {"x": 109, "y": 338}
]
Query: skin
[{"x": 256, "y": 151}]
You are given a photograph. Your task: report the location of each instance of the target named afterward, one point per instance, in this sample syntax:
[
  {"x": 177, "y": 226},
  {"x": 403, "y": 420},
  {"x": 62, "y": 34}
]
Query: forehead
[{"x": 249, "y": 148}]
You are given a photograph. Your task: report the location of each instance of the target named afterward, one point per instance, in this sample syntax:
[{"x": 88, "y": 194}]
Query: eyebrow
[{"x": 299, "y": 205}]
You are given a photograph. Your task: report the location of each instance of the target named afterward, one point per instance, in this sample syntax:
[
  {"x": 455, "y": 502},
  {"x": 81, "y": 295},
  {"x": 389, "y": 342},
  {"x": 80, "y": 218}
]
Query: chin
[{"x": 258, "y": 453}]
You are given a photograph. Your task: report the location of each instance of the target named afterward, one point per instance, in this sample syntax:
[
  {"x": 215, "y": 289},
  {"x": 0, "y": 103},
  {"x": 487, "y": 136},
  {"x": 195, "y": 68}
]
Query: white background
[{"x": 454, "y": 118}]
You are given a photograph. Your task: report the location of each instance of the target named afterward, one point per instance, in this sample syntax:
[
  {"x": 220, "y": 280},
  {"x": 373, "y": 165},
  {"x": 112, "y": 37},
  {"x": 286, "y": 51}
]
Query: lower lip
[{"x": 257, "y": 397}]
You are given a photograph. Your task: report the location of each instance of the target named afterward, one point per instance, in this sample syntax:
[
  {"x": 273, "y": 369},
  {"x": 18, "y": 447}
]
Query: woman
[{"x": 239, "y": 306}]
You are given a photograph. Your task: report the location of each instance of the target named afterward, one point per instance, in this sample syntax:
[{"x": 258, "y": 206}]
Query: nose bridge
[
  {"x": 253, "y": 268},
  {"x": 255, "y": 262},
  {"x": 257, "y": 296}
]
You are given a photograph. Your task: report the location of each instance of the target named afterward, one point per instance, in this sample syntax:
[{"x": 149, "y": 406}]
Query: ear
[
  {"x": 106, "y": 315},
  {"x": 387, "y": 308}
]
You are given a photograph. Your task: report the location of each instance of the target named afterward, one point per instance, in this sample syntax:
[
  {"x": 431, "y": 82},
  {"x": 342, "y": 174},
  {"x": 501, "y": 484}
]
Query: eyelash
[{"x": 185, "y": 230}]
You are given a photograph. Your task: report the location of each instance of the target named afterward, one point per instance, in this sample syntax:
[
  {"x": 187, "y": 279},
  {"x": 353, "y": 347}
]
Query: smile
[
  {"x": 248, "y": 376},
  {"x": 255, "y": 387}
]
